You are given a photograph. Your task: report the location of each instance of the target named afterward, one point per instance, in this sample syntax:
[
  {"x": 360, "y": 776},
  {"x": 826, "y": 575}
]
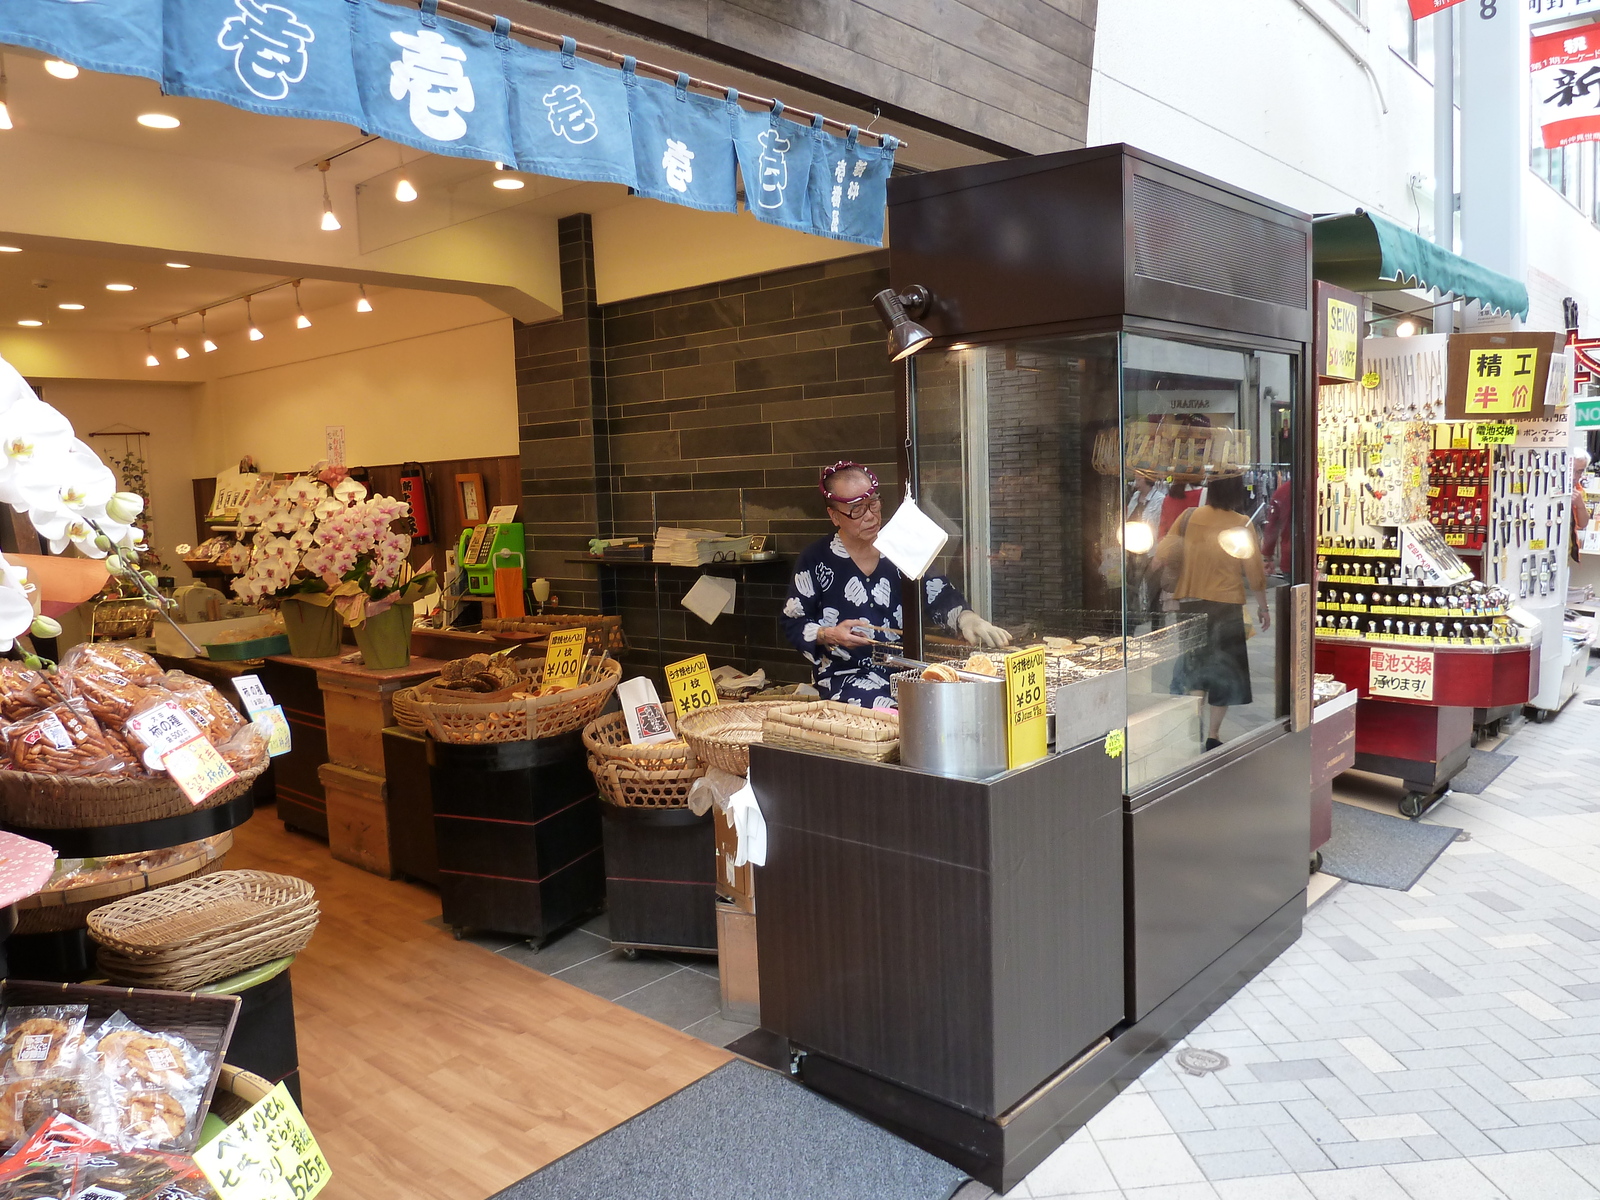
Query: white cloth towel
[{"x": 750, "y": 827}]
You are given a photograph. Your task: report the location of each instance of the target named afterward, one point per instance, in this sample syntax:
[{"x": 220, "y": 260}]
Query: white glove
[{"x": 979, "y": 632}]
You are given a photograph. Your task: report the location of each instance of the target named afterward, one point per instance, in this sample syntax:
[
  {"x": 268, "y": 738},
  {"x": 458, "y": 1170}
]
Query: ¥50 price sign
[
  {"x": 563, "y": 659},
  {"x": 690, "y": 682},
  {"x": 1027, "y": 732}
]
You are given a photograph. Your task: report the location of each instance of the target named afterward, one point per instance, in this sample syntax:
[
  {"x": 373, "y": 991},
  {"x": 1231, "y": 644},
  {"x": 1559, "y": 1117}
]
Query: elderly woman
[{"x": 845, "y": 596}]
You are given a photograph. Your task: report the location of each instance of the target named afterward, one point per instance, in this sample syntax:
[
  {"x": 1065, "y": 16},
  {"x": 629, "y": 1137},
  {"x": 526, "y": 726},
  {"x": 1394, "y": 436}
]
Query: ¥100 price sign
[
  {"x": 563, "y": 658},
  {"x": 691, "y": 686},
  {"x": 1027, "y": 726}
]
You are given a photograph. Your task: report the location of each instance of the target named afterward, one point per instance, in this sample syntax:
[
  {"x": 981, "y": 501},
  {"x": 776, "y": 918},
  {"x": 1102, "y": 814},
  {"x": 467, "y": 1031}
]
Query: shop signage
[
  {"x": 423, "y": 80},
  {"x": 1027, "y": 723},
  {"x": 563, "y": 659},
  {"x": 270, "y": 718},
  {"x": 1495, "y": 433},
  {"x": 1337, "y": 344},
  {"x": 1586, "y": 414},
  {"x": 1402, "y": 674},
  {"x": 1499, "y": 376},
  {"x": 1566, "y": 75},
  {"x": 1426, "y": 8},
  {"x": 269, "y": 1153},
  {"x": 691, "y": 686}
]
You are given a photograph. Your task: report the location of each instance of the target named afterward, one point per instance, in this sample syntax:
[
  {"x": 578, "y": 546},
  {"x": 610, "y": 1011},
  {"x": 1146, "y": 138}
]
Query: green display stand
[
  {"x": 314, "y": 630},
  {"x": 385, "y": 639}
]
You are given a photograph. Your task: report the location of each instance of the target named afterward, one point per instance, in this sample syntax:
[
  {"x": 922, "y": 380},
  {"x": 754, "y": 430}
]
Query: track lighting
[
  {"x": 301, "y": 321},
  {"x": 150, "y": 359},
  {"x": 179, "y": 352},
  {"x": 5, "y": 107},
  {"x": 906, "y": 337},
  {"x": 250, "y": 319},
  {"x": 206, "y": 343},
  {"x": 363, "y": 304},
  {"x": 330, "y": 223}
]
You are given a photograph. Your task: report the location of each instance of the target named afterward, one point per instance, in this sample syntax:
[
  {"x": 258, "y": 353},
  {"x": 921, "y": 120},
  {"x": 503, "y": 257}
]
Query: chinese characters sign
[
  {"x": 1566, "y": 85},
  {"x": 1027, "y": 727},
  {"x": 1501, "y": 381},
  {"x": 267, "y": 1154},
  {"x": 1401, "y": 674},
  {"x": 1426, "y": 8},
  {"x": 1500, "y": 376}
]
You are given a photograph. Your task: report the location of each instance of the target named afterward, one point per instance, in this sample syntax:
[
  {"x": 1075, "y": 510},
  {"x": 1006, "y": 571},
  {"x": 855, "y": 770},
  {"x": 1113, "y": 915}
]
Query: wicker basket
[
  {"x": 207, "y": 964},
  {"x": 721, "y": 736},
  {"x": 632, "y": 776},
  {"x": 29, "y": 800},
  {"x": 507, "y": 720},
  {"x": 213, "y": 908},
  {"x": 834, "y": 728},
  {"x": 205, "y": 1022},
  {"x": 408, "y": 714},
  {"x": 238, "y": 1091},
  {"x": 57, "y": 910},
  {"x": 604, "y": 633}
]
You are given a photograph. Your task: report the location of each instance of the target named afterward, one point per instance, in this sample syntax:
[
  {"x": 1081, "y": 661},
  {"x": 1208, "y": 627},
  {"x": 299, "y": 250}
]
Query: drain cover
[{"x": 1201, "y": 1062}]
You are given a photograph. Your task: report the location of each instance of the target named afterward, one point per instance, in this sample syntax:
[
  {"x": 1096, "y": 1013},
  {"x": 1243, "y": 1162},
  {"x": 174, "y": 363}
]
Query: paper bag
[
  {"x": 911, "y": 540},
  {"x": 641, "y": 708}
]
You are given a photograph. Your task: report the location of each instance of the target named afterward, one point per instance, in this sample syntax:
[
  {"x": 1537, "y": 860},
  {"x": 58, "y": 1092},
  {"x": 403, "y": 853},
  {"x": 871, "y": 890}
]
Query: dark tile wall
[{"x": 714, "y": 408}]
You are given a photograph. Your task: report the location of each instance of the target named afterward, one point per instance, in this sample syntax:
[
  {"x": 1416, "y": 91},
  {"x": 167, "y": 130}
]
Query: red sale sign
[
  {"x": 1566, "y": 85},
  {"x": 1426, "y": 8}
]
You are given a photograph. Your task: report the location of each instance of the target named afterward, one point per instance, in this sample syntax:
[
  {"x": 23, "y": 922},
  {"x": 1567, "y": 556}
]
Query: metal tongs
[{"x": 900, "y": 663}]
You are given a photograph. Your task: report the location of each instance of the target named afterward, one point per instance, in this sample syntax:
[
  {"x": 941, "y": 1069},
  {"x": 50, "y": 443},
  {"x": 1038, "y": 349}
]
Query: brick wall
[{"x": 713, "y": 407}]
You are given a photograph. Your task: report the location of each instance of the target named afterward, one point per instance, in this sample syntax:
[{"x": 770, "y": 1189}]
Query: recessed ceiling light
[
  {"x": 179, "y": 266},
  {"x": 71, "y": 307},
  {"x": 158, "y": 121},
  {"x": 10, "y": 249},
  {"x": 61, "y": 70},
  {"x": 119, "y": 287},
  {"x": 508, "y": 184},
  {"x": 31, "y": 324}
]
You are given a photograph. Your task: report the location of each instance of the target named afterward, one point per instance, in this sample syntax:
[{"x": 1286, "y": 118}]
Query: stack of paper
[{"x": 696, "y": 547}]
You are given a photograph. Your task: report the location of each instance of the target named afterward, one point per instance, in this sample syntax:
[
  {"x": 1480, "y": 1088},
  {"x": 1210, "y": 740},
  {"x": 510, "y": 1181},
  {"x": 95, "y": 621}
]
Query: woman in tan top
[{"x": 1219, "y": 556}]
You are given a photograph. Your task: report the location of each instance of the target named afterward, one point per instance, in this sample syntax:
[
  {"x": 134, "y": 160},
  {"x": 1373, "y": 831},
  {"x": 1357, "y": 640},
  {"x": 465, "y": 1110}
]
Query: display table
[
  {"x": 357, "y": 707},
  {"x": 1425, "y": 743}
]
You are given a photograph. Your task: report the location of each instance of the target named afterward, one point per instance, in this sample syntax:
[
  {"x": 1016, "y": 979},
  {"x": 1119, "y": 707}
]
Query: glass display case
[{"x": 1126, "y": 501}]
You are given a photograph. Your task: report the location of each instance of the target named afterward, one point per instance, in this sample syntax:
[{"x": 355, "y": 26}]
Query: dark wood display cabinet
[{"x": 302, "y": 804}]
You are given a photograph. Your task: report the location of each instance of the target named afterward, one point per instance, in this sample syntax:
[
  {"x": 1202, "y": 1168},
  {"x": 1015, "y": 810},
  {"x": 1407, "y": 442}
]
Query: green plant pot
[
  {"x": 385, "y": 639},
  {"x": 314, "y": 630}
]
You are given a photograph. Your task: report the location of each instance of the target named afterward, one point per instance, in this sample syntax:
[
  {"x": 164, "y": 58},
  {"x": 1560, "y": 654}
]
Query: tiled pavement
[{"x": 1436, "y": 1044}]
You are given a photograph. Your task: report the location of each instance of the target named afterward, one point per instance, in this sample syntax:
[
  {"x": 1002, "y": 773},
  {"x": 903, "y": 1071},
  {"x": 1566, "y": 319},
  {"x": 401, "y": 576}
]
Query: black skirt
[{"x": 1220, "y": 666}]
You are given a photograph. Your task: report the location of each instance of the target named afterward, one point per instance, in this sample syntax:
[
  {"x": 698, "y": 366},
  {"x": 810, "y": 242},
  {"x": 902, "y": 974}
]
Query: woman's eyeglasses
[{"x": 857, "y": 509}]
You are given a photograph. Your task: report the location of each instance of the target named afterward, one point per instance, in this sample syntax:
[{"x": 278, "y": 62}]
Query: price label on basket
[
  {"x": 267, "y": 1154},
  {"x": 563, "y": 659},
  {"x": 690, "y": 681},
  {"x": 255, "y": 697},
  {"x": 1027, "y": 725},
  {"x": 162, "y": 729},
  {"x": 274, "y": 726}
]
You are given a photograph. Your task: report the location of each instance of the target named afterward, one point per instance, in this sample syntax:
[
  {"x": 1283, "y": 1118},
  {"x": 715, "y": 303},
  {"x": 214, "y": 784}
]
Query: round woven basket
[
  {"x": 656, "y": 776},
  {"x": 721, "y": 736},
  {"x": 408, "y": 714},
  {"x": 506, "y": 720},
  {"x": 29, "y": 800}
]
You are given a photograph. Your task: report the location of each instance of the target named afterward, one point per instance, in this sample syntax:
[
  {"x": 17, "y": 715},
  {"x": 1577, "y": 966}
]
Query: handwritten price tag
[
  {"x": 1027, "y": 729},
  {"x": 691, "y": 686},
  {"x": 563, "y": 660},
  {"x": 274, "y": 726},
  {"x": 162, "y": 729},
  {"x": 267, "y": 1154},
  {"x": 198, "y": 769}
]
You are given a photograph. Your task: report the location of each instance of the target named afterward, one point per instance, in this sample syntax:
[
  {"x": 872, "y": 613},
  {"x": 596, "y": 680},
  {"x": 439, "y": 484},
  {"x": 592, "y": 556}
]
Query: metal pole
[{"x": 1444, "y": 148}]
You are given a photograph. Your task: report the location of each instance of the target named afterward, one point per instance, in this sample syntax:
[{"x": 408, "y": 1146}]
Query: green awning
[{"x": 1366, "y": 253}]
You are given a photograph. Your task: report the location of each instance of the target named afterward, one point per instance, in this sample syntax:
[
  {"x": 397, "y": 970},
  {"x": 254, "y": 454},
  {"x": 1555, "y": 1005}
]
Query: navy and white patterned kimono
[{"x": 829, "y": 588}]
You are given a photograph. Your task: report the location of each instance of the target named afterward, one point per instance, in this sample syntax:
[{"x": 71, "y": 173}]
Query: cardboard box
[
  {"x": 736, "y": 964},
  {"x": 734, "y": 884}
]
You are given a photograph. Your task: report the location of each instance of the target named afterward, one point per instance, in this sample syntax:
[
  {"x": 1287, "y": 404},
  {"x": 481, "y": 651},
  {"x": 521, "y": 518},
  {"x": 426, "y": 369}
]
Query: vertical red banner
[{"x": 1426, "y": 8}]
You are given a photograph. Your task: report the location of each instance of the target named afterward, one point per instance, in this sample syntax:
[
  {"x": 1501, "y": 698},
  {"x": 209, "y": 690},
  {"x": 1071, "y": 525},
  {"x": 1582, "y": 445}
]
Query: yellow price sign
[
  {"x": 563, "y": 659},
  {"x": 1116, "y": 743},
  {"x": 197, "y": 769},
  {"x": 1336, "y": 474},
  {"x": 1501, "y": 381},
  {"x": 1370, "y": 380},
  {"x": 690, "y": 682},
  {"x": 267, "y": 1154},
  {"x": 1468, "y": 491},
  {"x": 1027, "y": 726},
  {"x": 1496, "y": 433}
]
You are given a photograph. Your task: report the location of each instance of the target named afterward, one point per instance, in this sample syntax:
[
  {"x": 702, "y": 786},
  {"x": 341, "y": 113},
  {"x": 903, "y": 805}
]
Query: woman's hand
[
  {"x": 1263, "y": 617},
  {"x": 849, "y": 633}
]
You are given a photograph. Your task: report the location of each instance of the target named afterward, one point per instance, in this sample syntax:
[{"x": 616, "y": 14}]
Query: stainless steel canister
[{"x": 956, "y": 729}]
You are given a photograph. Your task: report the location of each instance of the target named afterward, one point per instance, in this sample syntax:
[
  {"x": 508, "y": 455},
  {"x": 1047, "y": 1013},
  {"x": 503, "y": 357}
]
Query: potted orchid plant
[{"x": 330, "y": 557}]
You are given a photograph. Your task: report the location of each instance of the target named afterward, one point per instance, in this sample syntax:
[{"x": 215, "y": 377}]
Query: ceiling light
[
  {"x": 119, "y": 287},
  {"x": 10, "y": 249},
  {"x": 150, "y": 359},
  {"x": 179, "y": 266},
  {"x": 179, "y": 352},
  {"x": 70, "y": 307},
  {"x": 61, "y": 70},
  {"x": 302, "y": 321},
  {"x": 509, "y": 184},
  {"x": 404, "y": 192},
  {"x": 363, "y": 304},
  {"x": 5, "y": 108},
  {"x": 255, "y": 334},
  {"x": 158, "y": 121},
  {"x": 206, "y": 343},
  {"x": 1405, "y": 329},
  {"x": 895, "y": 310},
  {"x": 30, "y": 324},
  {"x": 330, "y": 223}
]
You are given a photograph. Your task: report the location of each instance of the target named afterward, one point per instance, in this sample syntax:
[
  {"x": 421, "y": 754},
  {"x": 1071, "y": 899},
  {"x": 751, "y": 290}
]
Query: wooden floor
[{"x": 433, "y": 1068}]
